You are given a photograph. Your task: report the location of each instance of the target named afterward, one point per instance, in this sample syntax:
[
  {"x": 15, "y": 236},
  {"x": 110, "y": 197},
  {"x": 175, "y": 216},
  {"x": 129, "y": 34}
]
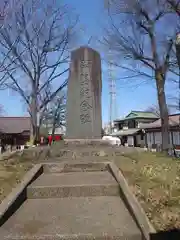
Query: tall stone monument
[{"x": 84, "y": 119}]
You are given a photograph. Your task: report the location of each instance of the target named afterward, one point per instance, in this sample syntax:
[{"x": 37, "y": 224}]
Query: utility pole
[{"x": 112, "y": 92}]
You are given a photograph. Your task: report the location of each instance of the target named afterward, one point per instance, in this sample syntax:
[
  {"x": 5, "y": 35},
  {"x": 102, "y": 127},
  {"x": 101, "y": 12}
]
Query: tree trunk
[
  {"x": 56, "y": 117},
  {"x": 53, "y": 129},
  {"x": 33, "y": 110},
  {"x": 160, "y": 83}
]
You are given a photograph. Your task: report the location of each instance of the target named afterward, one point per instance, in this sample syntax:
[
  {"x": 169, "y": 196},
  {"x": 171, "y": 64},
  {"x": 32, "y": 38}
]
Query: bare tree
[
  {"x": 4, "y": 5},
  {"x": 173, "y": 103},
  {"x": 34, "y": 46},
  {"x": 155, "y": 109},
  {"x": 54, "y": 115},
  {"x": 175, "y": 6},
  {"x": 1, "y": 110},
  {"x": 139, "y": 45}
]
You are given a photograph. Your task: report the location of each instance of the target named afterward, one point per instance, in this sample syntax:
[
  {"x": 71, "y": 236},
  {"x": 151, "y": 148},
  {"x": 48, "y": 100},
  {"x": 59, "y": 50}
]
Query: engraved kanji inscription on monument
[{"x": 84, "y": 95}]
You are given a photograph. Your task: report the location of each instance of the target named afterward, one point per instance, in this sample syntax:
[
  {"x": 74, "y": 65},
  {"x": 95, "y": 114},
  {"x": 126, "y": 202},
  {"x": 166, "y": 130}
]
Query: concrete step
[
  {"x": 73, "y": 184},
  {"x": 71, "y": 218},
  {"x": 74, "y": 167}
]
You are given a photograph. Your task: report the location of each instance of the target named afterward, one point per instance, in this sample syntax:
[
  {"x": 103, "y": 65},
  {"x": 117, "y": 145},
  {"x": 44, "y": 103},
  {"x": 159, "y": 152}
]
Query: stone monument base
[{"x": 87, "y": 142}]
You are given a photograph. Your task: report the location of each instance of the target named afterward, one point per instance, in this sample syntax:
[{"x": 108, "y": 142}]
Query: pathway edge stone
[
  {"x": 132, "y": 203},
  {"x": 18, "y": 194}
]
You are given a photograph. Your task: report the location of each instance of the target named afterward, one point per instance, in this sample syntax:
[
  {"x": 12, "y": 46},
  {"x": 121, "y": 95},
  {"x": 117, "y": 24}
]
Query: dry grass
[
  {"x": 11, "y": 173},
  {"x": 155, "y": 181},
  {"x": 14, "y": 166}
]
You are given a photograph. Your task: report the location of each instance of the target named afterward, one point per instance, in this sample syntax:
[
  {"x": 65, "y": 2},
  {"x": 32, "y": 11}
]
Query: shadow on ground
[{"x": 173, "y": 234}]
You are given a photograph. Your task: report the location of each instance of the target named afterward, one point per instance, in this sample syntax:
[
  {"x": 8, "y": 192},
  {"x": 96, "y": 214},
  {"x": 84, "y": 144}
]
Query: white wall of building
[
  {"x": 156, "y": 138},
  {"x": 130, "y": 141},
  {"x": 139, "y": 140},
  {"x": 176, "y": 138},
  {"x": 59, "y": 130}
]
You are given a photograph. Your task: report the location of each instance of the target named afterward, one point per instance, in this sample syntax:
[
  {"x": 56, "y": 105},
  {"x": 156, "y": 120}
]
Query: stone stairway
[{"x": 81, "y": 201}]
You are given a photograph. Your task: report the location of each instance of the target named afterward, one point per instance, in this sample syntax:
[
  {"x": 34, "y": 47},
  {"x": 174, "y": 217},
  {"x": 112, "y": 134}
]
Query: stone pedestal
[
  {"x": 84, "y": 120},
  {"x": 86, "y": 142}
]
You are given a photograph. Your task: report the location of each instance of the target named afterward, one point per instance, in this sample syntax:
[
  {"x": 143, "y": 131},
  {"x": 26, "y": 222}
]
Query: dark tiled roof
[
  {"x": 14, "y": 124},
  {"x": 173, "y": 121}
]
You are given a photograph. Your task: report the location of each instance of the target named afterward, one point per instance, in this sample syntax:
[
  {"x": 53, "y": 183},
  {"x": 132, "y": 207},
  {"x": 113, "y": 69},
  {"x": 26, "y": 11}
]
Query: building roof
[
  {"x": 14, "y": 124},
  {"x": 126, "y": 132},
  {"x": 173, "y": 121},
  {"x": 139, "y": 114}
]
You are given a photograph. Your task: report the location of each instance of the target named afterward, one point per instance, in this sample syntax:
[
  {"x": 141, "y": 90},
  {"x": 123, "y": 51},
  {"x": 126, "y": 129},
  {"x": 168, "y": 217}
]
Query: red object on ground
[
  {"x": 57, "y": 138},
  {"x": 50, "y": 139}
]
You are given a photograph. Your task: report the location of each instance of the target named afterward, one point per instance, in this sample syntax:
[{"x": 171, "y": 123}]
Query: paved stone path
[{"x": 78, "y": 202}]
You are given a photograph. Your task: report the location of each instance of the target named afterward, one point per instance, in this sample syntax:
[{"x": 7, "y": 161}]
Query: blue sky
[{"x": 128, "y": 97}]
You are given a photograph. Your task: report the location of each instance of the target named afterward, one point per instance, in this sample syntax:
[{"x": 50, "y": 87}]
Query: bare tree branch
[
  {"x": 155, "y": 109},
  {"x": 54, "y": 115},
  {"x": 175, "y": 5},
  {"x": 2, "y": 111},
  {"x": 34, "y": 48},
  {"x": 134, "y": 36}
]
